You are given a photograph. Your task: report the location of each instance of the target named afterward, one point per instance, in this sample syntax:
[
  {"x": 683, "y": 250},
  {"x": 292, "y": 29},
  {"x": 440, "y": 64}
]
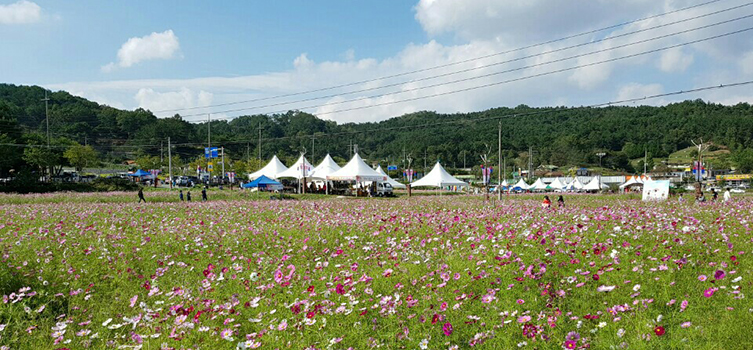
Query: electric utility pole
[
  {"x": 484, "y": 177},
  {"x": 169, "y": 164},
  {"x": 313, "y": 137},
  {"x": 499, "y": 169},
  {"x": 47, "y": 120},
  {"x": 259, "y": 143}
]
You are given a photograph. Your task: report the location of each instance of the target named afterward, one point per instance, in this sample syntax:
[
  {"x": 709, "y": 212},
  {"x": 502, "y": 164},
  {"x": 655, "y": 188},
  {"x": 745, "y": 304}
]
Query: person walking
[
  {"x": 204, "y": 194},
  {"x": 716, "y": 194},
  {"x": 181, "y": 195},
  {"x": 727, "y": 195},
  {"x": 188, "y": 196},
  {"x": 141, "y": 195}
]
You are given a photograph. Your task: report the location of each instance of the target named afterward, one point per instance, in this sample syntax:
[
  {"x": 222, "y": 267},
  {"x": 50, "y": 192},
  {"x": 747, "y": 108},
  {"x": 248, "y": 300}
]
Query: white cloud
[
  {"x": 155, "y": 46},
  {"x": 675, "y": 60},
  {"x": 21, "y": 12},
  {"x": 746, "y": 63},
  {"x": 155, "y": 101},
  {"x": 635, "y": 90},
  {"x": 481, "y": 28}
]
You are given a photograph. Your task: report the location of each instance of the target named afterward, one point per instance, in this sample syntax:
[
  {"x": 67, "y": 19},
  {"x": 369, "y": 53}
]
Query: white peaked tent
[
  {"x": 538, "y": 185},
  {"x": 300, "y": 169},
  {"x": 326, "y": 167},
  {"x": 356, "y": 170},
  {"x": 522, "y": 184},
  {"x": 575, "y": 185},
  {"x": 635, "y": 180},
  {"x": 270, "y": 170},
  {"x": 438, "y": 177},
  {"x": 594, "y": 185},
  {"x": 391, "y": 181},
  {"x": 557, "y": 184},
  {"x": 503, "y": 186}
]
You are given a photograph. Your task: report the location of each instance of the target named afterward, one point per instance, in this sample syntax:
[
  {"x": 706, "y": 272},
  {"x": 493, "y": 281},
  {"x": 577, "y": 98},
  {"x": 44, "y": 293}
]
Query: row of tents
[
  {"x": 559, "y": 184},
  {"x": 355, "y": 170}
]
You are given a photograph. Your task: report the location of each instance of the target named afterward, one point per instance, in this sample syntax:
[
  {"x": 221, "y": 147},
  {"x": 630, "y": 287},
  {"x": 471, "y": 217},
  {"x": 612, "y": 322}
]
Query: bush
[{"x": 27, "y": 183}]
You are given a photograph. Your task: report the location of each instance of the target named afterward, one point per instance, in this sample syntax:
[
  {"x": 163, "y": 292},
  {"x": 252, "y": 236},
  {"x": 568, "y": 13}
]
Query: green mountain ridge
[{"x": 558, "y": 135}]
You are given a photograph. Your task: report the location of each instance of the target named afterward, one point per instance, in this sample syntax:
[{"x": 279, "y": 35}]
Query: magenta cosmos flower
[
  {"x": 719, "y": 274},
  {"x": 447, "y": 329}
]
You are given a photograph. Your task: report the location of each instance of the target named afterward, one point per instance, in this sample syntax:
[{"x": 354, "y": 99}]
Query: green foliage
[
  {"x": 559, "y": 136},
  {"x": 743, "y": 160},
  {"x": 80, "y": 156}
]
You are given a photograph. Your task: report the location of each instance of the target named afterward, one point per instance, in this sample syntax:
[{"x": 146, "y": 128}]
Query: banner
[
  {"x": 486, "y": 174},
  {"x": 656, "y": 190},
  {"x": 699, "y": 171},
  {"x": 210, "y": 166},
  {"x": 210, "y": 152},
  {"x": 734, "y": 177},
  {"x": 408, "y": 173},
  {"x": 391, "y": 167},
  {"x": 231, "y": 176}
]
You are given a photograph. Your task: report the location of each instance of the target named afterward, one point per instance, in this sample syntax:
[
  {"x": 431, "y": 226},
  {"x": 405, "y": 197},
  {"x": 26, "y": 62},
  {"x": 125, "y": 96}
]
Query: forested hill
[{"x": 559, "y": 136}]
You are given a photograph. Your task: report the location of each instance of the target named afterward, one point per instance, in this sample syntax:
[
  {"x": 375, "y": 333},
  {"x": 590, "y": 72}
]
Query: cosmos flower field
[{"x": 451, "y": 272}]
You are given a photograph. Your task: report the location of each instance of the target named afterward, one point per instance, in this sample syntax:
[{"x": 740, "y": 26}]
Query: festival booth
[
  {"x": 391, "y": 181},
  {"x": 634, "y": 182},
  {"x": 539, "y": 185},
  {"x": 325, "y": 168},
  {"x": 594, "y": 185},
  {"x": 557, "y": 185},
  {"x": 521, "y": 186},
  {"x": 438, "y": 177},
  {"x": 503, "y": 186},
  {"x": 359, "y": 172},
  {"x": 300, "y": 170},
  {"x": 575, "y": 185},
  {"x": 270, "y": 170},
  {"x": 141, "y": 175},
  {"x": 264, "y": 183}
]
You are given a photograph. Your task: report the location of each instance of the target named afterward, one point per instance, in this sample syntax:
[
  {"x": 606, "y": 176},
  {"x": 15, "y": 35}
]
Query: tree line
[{"x": 87, "y": 134}]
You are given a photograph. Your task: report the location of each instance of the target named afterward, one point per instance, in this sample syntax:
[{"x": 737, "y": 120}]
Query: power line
[
  {"x": 530, "y": 76},
  {"x": 500, "y": 63},
  {"x": 553, "y": 110},
  {"x": 451, "y": 63}
]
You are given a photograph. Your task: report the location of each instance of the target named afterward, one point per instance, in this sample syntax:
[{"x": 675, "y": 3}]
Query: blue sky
[{"x": 189, "y": 56}]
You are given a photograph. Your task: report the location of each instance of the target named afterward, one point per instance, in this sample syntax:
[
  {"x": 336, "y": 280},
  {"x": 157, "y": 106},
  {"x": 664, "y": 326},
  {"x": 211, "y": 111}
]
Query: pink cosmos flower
[
  {"x": 719, "y": 274},
  {"x": 702, "y": 278},
  {"x": 278, "y": 276},
  {"x": 683, "y": 305},
  {"x": 708, "y": 293},
  {"x": 134, "y": 299},
  {"x": 524, "y": 319},
  {"x": 685, "y": 324},
  {"x": 570, "y": 344},
  {"x": 447, "y": 329}
]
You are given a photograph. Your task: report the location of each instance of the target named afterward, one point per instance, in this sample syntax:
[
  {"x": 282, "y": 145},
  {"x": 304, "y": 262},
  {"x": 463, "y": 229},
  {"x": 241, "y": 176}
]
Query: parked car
[
  {"x": 737, "y": 190},
  {"x": 184, "y": 181}
]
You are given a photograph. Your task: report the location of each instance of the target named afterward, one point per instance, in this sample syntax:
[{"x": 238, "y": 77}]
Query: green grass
[{"x": 85, "y": 258}]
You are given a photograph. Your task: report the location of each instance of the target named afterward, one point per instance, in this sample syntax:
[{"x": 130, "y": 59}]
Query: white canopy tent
[
  {"x": 522, "y": 184},
  {"x": 635, "y": 180},
  {"x": 557, "y": 184},
  {"x": 356, "y": 170},
  {"x": 391, "y": 181},
  {"x": 438, "y": 177},
  {"x": 326, "y": 167},
  {"x": 503, "y": 186},
  {"x": 575, "y": 185},
  {"x": 270, "y": 170},
  {"x": 593, "y": 185},
  {"x": 299, "y": 170},
  {"x": 539, "y": 185}
]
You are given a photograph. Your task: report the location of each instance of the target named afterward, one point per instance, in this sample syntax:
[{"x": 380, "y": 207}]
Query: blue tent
[
  {"x": 264, "y": 183},
  {"x": 140, "y": 173}
]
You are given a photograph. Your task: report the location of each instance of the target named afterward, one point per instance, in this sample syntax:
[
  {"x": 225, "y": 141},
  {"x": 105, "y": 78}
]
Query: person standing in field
[
  {"x": 188, "y": 196},
  {"x": 680, "y": 199},
  {"x": 716, "y": 195},
  {"x": 181, "y": 195},
  {"x": 561, "y": 202},
  {"x": 204, "y": 194},
  {"x": 727, "y": 195},
  {"x": 141, "y": 195}
]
